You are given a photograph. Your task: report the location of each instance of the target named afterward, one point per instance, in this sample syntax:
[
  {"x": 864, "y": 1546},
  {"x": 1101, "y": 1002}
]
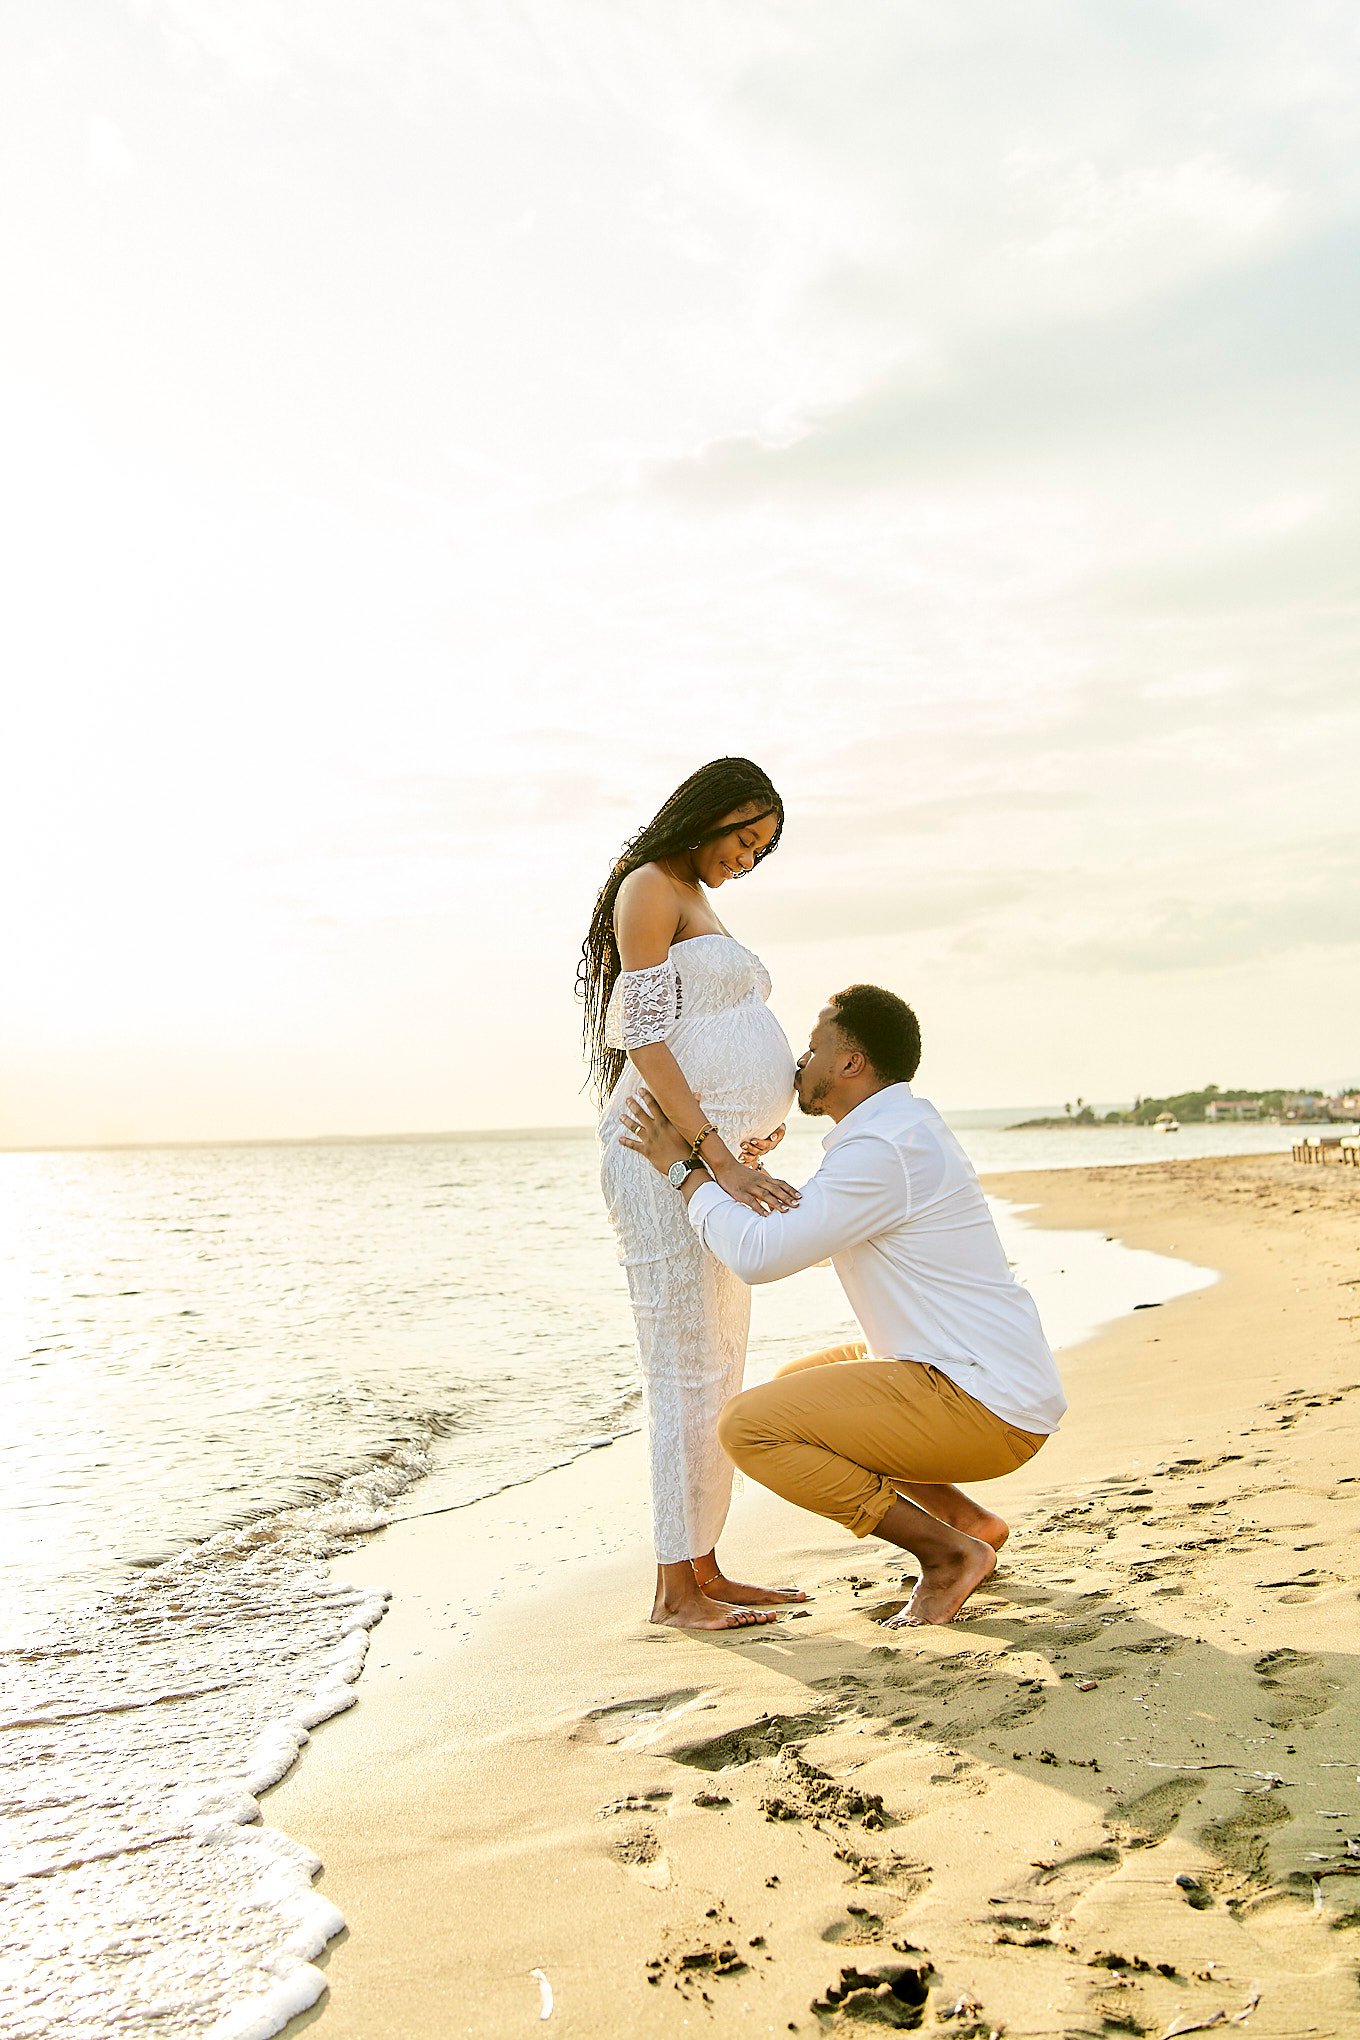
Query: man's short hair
[{"x": 883, "y": 1027}]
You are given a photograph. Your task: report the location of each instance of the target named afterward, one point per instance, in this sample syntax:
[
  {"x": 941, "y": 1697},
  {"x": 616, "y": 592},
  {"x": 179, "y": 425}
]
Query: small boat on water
[{"x": 1166, "y": 1122}]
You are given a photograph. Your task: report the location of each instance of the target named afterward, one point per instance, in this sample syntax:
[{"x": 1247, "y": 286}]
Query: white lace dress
[{"x": 707, "y": 1003}]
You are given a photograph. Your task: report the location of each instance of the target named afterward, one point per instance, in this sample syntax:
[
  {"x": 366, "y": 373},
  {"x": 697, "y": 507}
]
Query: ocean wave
[{"x": 143, "y": 1891}]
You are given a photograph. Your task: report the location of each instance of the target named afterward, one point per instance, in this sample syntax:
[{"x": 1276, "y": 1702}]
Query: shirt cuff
[{"x": 706, "y": 1198}]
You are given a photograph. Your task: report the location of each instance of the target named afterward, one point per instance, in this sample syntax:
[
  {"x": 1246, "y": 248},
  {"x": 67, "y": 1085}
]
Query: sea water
[{"x": 222, "y": 1366}]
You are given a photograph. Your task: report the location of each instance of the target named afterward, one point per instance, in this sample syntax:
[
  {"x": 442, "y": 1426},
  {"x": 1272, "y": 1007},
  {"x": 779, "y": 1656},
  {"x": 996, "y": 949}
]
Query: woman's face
[{"x": 736, "y": 848}]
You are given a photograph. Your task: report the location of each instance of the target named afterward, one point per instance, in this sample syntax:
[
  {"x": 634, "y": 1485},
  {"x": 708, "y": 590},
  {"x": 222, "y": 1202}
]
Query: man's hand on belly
[{"x": 648, "y": 1132}]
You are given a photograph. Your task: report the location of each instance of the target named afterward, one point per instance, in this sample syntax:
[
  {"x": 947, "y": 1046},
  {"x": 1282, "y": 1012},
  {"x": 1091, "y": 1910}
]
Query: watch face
[{"x": 677, "y": 1173}]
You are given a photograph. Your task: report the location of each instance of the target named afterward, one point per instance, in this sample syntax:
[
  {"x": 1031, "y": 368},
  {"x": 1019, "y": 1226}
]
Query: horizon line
[{"x": 573, "y": 1131}]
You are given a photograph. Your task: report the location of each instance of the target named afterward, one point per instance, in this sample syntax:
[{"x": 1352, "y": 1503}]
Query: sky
[{"x": 429, "y": 432}]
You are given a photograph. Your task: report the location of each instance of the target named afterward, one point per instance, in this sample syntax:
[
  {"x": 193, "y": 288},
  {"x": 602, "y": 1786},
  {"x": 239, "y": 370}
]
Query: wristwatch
[{"x": 678, "y": 1171}]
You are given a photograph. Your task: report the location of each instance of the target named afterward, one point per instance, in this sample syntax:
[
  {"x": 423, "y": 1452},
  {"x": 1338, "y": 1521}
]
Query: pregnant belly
[{"x": 740, "y": 1066}]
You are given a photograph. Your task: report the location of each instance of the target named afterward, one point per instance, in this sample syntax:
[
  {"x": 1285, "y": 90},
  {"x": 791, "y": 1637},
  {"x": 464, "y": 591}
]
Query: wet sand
[{"x": 831, "y": 1827}]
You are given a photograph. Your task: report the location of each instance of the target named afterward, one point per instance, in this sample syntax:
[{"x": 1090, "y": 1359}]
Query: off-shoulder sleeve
[{"x": 644, "y": 1006}]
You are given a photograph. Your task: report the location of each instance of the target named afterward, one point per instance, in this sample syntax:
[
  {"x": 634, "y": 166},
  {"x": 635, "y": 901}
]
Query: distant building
[
  {"x": 1345, "y": 1106},
  {"x": 1305, "y": 1105},
  {"x": 1233, "y": 1108}
]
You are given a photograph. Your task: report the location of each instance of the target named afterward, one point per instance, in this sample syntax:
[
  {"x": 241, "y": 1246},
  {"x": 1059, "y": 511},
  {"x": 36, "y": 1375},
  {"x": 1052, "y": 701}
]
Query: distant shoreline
[
  {"x": 1272, "y": 1105},
  {"x": 1076, "y": 1125}
]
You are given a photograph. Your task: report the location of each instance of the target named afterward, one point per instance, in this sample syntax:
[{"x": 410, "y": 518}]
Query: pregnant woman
[{"x": 675, "y": 1002}]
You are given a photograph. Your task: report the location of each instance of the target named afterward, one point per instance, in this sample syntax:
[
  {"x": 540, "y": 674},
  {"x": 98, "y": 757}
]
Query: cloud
[
  {"x": 1288, "y": 555},
  {"x": 1267, "y": 353},
  {"x": 1156, "y": 917},
  {"x": 451, "y": 807},
  {"x": 875, "y": 814},
  {"x": 107, "y": 154},
  {"x": 1089, "y": 211},
  {"x": 1132, "y": 920},
  {"x": 1173, "y": 935},
  {"x": 910, "y": 905}
]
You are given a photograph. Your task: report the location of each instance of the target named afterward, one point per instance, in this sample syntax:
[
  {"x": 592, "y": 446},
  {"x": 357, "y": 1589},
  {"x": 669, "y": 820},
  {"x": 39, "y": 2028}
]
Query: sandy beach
[{"x": 1122, "y": 1797}]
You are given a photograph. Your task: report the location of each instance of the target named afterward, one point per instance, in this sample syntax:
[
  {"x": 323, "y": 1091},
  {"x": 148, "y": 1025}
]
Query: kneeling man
[{"x": 955, "y": 1380}]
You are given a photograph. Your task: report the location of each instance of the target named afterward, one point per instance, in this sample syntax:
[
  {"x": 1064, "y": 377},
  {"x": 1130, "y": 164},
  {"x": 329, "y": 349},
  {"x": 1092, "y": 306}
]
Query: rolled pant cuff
[{"x": 867, "y": 1519}]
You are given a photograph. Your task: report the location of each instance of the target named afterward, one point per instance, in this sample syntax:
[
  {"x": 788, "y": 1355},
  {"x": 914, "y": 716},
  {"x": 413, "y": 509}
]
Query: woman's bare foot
[
  {"x": 951, "y": 1505},
  {"x": 711, "y": 1580},
  {"x": 694, "y": 1610},
  {"x": 945, "y": 1584},
  {"x": 732, "y": 1591}
]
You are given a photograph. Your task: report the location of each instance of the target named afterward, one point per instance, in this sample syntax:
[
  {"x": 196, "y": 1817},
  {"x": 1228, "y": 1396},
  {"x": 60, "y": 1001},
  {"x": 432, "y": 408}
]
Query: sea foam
[{"x": 143, "y": 1891}]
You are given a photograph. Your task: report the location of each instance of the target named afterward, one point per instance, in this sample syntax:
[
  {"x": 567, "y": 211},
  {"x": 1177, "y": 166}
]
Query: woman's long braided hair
[{"x": 688, "y": 818}]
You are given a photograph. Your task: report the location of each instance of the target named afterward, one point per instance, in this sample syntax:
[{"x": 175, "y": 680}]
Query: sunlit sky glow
[{"x": 428, "y": 432}]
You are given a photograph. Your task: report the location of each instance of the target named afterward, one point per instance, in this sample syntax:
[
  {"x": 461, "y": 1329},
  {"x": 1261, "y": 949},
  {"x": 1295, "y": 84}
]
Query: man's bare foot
[
  {"x": 694, "y": 1610},
  {"x": 945, "y": 1584},
  {"x": 951, "y": 1505},
  {"x": 719, "y": 1588}
]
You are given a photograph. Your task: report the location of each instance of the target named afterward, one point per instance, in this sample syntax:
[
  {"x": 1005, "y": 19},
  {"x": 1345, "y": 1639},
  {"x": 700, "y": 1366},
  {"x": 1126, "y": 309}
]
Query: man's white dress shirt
[{"x": 897, "y": 1207}]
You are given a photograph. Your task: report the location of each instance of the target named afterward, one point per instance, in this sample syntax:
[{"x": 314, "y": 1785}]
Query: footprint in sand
[
  {"x": 1298, "y": 1686},
  {"x": 639, "y": 1849},
  {"x": 1065, "y": 1879},
  {"x": 1241, "y": 1843},
  {"x": 758, "y": 1739},
  {"x": 1320, "y": 1586},
  {"x": 897, "y": 1883},
  {"x": 1149, "y": 1816},
  {"x": 700, "y": 1954},
  {"x": 636, "y": 1724},
  {"x": 965, "y": 1776},
  {"x": 898, "y": 1876},
  {"x": 892, "y": 1996},
  {"x": 1152, "y": 1646},
  {"x": 636, "y": 1802},
  {"x": 1021, "y": 1701},
  {"x": 1063, "y": 1634},
  {"x": 860, "y": 1928},
  {"x": 807, "y": 1793}
]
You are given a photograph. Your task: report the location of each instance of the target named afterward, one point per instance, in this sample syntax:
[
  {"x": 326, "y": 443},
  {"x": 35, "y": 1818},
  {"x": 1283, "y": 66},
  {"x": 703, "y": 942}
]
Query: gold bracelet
[{"x": 699, "y": 1140}]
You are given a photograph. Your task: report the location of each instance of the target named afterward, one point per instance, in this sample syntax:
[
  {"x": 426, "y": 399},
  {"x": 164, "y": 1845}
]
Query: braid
[{"x": 688, "y": 818}]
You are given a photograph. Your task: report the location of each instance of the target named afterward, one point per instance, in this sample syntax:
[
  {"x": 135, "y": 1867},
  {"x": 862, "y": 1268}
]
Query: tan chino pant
[{"x": 837, "y": 1433}]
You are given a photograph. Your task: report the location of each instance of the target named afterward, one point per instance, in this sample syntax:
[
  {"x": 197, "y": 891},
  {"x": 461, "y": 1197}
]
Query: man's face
[{"x": 817, "y": 1065}]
